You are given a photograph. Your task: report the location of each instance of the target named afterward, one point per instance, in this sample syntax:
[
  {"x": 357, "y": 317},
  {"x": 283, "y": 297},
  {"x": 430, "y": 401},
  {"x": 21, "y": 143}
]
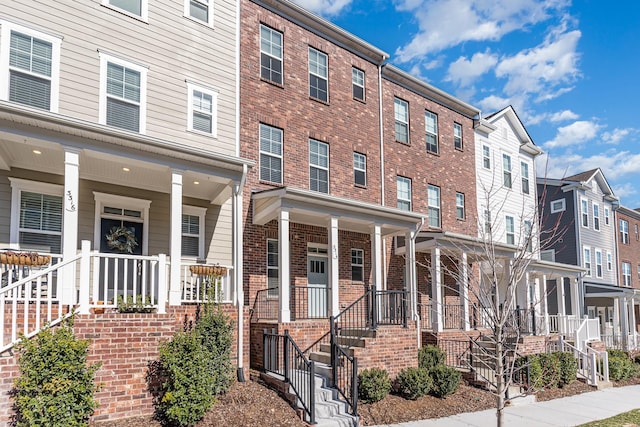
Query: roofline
[{"x": 628, "y": 211}]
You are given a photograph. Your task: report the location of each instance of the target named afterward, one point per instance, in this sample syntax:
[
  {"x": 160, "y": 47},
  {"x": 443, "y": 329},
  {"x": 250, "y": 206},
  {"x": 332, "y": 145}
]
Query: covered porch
[{"x": 615, "y": 308}]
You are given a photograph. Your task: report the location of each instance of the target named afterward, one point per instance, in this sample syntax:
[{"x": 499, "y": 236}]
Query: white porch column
[
  {"x": 334, "y": 263},
  {"x": 624, "y": 322},
  {"x": 574, "y": 285},
  {"x": 70, "y": 224},
  {"x": 175, "y": 239},
  {"x": 616, "y": 316},
  {"x": 436, "y": 291},
  {"x": 632, "y": 327},
  {"x": 562, "y": 309},
  {"x": 237, "y": 239},
  {"x": 284, "y": 284},
  {"x": 463, "y": 287},
  {"x": 410, "y": 282},
  {"x": 376, "y": 256},
  {"x": 545, "y": 306}
]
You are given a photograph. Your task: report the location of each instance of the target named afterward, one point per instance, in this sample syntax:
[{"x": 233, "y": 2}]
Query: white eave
[{"x": 484, "y": 126}]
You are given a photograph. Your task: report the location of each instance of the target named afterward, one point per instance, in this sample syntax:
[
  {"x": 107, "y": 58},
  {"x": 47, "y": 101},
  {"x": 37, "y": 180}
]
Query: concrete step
[
  {"x": 326, "y": 348},
  {"x": 357, "y": 332},
  {"x": 322, "y": 357},
  {"x": 347, "y": 341}
]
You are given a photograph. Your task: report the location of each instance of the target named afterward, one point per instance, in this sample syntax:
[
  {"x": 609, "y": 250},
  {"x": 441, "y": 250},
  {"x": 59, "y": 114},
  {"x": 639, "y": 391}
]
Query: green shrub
[
  {"x": 568, "y": 368},
  {"x": 431, "y": 356},
  {"x": 373, "y": 385},
  {"x": 544, "y": 370},
  {"x": 621, "y": 367},
  {"x": 414, "y": 383},
  {"x": 445, "y": 380},
  {"x": 216, "y": 334},
  {"x": 56, "y": 386}
]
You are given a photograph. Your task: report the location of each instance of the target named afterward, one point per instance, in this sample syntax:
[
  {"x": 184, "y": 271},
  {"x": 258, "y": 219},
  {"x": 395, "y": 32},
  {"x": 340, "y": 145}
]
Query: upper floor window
[
  {"x": 193, "y": 231},
  {"x": 357, "y": 265},
  {"x": 199, "y": 10},
  {"x": 598, "y": 263},
  {"x": 270, "y": 54},
  {"x": 357, "y": 80},
  {"x": 270, "y": 154},
  {"x": 203, "y": 106},
  {"x": 29, "y": 66},
  {"x": 510, "y": 227},
  {"x": 487, "y": 221},
  {"x": 122, "y": 94},
  {"x": 433, "y": 198},
  {"x": 136, "y": 8},
  {"x": 506, "y": 170},
  {"x": 596, "y": 217},
  {"x": 486, "y": 157},
  {"x": 457, "y": 136},
  {"x": 431, "y": 131},
  {"x": 609, "y": 261},
  {"x": 360, "y": 169},
  {"x": 606, "y": 215},
  {"x": 587, "y": 260},
  {"x": 584, "y": 211},
  {"x": 460, "y": 205},
  {"x": 318, "y": 166},
  {"x": 635, "y": 228},
  {"x": 318, "y": 75},
  {"x": 626, "y": 274},
  {"x": 401, "y": 113},
  {"x": 624, "y": 232},
  {"x": 638, "y": 271},
  {"x": 403, "y": 193},
  {"x": 524, "y": 174},
  {"x": 558, "y": 205},
  {"x": 528, "y": 235}
]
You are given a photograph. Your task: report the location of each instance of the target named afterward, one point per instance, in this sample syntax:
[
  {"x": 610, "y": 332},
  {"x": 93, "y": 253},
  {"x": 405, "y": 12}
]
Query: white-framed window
[
  {"x": 587, "y": 260},
  {"x": 135, "y": 8},
  {"x": 606, "y": 215},
  {"x": 270, "y": 154},
  {"x": 524, "y": 175},
  {"x": 506, "y": 171},
  {"x": 487, "y": 221},
  {"x": 510, "y": 227},
  {"x": 273, "y": 275},
  {"x": 584, "y": 212},
  {"x": 403, "y": 186},
  {"x": 486, "y": 157},
  {"x": 457, "y": 136},
  {"x": 460, "y": 214},
  {"x": 548, "y": 255},
  {"x": 203, "y": 110},
  {"x": 36, "y": 215},
  {"x": 318, "y": 166},
  {"x": 193, "y": 231},
  {"x": 431, "y": 131},
  {"x": 433, "y": 199},
  {"x": 596, "y": 217},
  {"x": 558, "y": 206},
  {"x": 401, "y": 114},
  {"x": 270, "y": 54},
  {"x": 199, "y": 10},
  {"x": 29, "y": 66},
  {"x": 638, "y": 271},
  {"x": 626, "y": 274},
  {"x": 635, "y": 228},
  {"x": 318, "y": 75},
  {"x": 609, "y": 261},
  {"x": 528, "y": 236},
  {"x": 357, "y": 80},
  {"x": 123, "y": 94},
  {"x": 598, "y": 263},
  {"x": 357, "y": 265},
  {"x": 359, "y": 169},
  {"x": 624, "y": 232}
]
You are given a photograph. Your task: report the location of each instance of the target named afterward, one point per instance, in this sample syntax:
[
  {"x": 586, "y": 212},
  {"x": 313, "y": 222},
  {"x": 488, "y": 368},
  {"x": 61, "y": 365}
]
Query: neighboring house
[{"x": 628, "y": 244}]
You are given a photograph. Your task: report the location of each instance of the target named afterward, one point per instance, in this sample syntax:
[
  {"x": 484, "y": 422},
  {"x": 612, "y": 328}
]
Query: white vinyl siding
[
  {"x": 318, "y": 75},
  {"x": 401, "y": 114},
  {"x": 270, "y": 54},
  {"x": 270, "y": 154},
  {"x": 199, "y": 10},
  {"x": 203, "y": 109},
  {"x": 528, "y": 236},
  {"x": 431, "y": 132},
  {"x": 433, "y": 198},
  {"x": 318, "y": 166},
  {"x": 403, "y": 193}
]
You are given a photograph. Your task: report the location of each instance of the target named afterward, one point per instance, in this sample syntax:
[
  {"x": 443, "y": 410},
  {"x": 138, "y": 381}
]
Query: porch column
[
  {"x": 632, "y": 326},
  {"x": 410, "y": 283},
  {"x": 463, "y": 289},
  {"x": 334, "y": 263},
  {"x": 574, "y": 285},
  {"x": 616, "y": 316},
  {"x": 624, "y": 322},
  {"x": 175, "y": 237},
  {"x": 70, "y": 224},
  {"x": 284, "y": 283},
  {"x": 562, "y": 309},
  {"x": 545, "y": 306},
  {"x": 436, "y": 291},
  {"x": 376, "y": 256}
]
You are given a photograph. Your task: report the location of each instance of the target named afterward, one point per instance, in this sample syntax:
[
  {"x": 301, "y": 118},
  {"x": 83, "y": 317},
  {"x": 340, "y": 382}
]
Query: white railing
[
  {"x": 195, "y": 286},
  {"x": 593, "y": 365},
  {"x": 589, "y": 330},
  {"x": 563, "y": 324}
]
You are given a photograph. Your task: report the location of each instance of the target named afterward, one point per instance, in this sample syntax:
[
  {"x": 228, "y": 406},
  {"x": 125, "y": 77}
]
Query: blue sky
[{"x": 570, "y": 69}]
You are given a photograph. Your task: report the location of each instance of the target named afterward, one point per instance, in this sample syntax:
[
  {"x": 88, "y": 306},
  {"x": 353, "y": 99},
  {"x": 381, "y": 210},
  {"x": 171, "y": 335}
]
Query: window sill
[
  {"x": 273, "y": 184},
  {"x": 143, "y": 19},
  {"x": 272, "y": 83},
  {"x": 319, "y": 100},
  {"x": 403, "y": 143},
  {"x": 201, "y": 133},
  {"x": 434, "y": 153},
  {"x": 364, "y": 187},
  {"x": 362, "y": 101},
  {"x": 199, "y": 22}
]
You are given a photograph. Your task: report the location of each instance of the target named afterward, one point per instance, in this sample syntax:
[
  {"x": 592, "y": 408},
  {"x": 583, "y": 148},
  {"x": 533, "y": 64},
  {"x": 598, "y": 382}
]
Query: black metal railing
[
  {"x": 424, "y": 311},
  {"x": 308, "y": 302},
  {"x": 265, "y": 306},
  {"x": 452, "y": 316},
  {"x": 282, "y": 356},
  {"x": 392, "y": 307},
  {"x": 345, "y": 376},
  {"x": 522, "y": 320}
]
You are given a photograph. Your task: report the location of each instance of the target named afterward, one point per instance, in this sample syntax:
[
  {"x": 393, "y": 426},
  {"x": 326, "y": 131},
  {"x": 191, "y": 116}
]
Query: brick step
[{"x": 357, "y": 332}]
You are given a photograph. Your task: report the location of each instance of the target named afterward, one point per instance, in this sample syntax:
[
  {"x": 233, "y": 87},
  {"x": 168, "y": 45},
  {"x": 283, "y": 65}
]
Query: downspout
[
  {"x": 414, "y": 285},
  {"x": 382, "y": 175},
  {"x": 238, "y": 268},
  {"x": 237, "y": 74}
]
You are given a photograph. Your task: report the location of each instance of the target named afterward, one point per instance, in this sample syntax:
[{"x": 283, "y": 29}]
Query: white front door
[{"x": 317, "y": 276}]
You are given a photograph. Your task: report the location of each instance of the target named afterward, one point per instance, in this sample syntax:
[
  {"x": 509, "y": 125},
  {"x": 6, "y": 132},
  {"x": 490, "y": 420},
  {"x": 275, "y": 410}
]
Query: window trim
[
  {"x": 401, "y": 102},
  {"x": 606, "y": 215},
  {"x": 507, "y": 172},
  {"x": 624, "y": 276},
  {"x": 624, "y": 235},
  {"x": 270, "y": 154},
  {"x": 599, "y": 269},
  {"x": 363, "y": 86},
  {"x": 586, "y": 253},
  {"x": 458, "y": 206},
  {"x": 486, "y": 157},
  {"x": 191, "y": 87},
  {"x": 357, "y": 169},
  {"x": 200, "y": 212},
  {"x": 361, "y": 266},
  {"x": 563, "y": 203},
  {"x": 320, "y": 167},
  {"x": 144, "y": 10},
  {"x": 398, "y": 199},
  {"x": 281, "y": 59},
  {"x": 457, "y": 125},
  {"x": 609, "y": 261},
  {"x": 326, "y": 78},
  {"x": 434, "y": 133},
  {"x": 584, "y": 214},
  {"x": 434, "y": 208},
  {"x": 596, "y": 216},
  {"x": 268, "y": 267},
  {"x": 210, "y": 10},
  {"x": 524, "y": 177},
  {"x": 511, "y": 233}
]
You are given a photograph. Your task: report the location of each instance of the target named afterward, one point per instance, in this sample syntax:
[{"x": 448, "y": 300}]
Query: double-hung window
[
  {"x": 203, "y": 106},
  {"x": 270, "y": 154},
  {"x": 598, "y": 263},
  {"x": 457, "y": 136},
  {"x": 584, "y": 212},
  {"x": 136, "y": 8},
  {"x": 357, "y": 265},
  {"x": 123, "y": 87},
  {"x": 524, "y": 175},
  {"x": 318, "y": 166},
  {"x": 318, "y": 75},
  {"x": 431, "y": 131},
  {"x": 528, "y": 235},
  {"x": 433, "y": 199},
  {"x": 460, "y": 205},
  {"x": 199, "y": 10},
  {"x": 360, "y": 169},
  {"x": 506, "y": 170},
  {"x": 487, "y": 221},
  {"x": 401, "y": 113},
  {"x": 270, "y": 54},
  {"x": 273, "y": 277},
  {"x": 193, "y": 231},
  {"x": 596, "y": 217},
  {"x": 486, "y": 157},
  {"x": 587, "y": 260},
  {"x": 606, "y": 215},
  {"x": 510, "y": 227},
  {"x": 624, "y": 232},
  {"x": 626, "y": 274},
  {"x": 404, "y": 193},
  {"x": 357, "y": 80},
  {"x": 609, "y": 261}
]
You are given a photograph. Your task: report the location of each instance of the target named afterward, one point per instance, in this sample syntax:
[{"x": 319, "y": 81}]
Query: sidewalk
[{"x": 565, "y": 412}]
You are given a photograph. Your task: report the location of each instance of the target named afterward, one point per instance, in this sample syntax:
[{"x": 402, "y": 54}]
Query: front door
[{"x": 317, "y": 277}]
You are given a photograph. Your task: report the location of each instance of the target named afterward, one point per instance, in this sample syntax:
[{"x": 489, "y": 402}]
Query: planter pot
[
  {"x": 208, "y": 270},
  {"x": 24, "y": 258}
]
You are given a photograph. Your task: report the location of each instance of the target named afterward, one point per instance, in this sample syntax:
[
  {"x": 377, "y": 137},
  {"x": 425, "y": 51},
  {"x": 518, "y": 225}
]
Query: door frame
[{"x": 104, "y": 199}]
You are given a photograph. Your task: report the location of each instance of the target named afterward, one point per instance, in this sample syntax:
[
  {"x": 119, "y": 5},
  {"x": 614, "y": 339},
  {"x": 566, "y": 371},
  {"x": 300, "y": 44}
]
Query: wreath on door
[{"x": 122, "y": 239}]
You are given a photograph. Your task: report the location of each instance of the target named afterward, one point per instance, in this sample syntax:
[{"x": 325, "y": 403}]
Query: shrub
[
  {"x": 445, "y": 380},
  {"x": 414, "y": 383},
  {"x": 621, "y": 366},
  {"x": 568, "y": 368},
  {"x": 216, "y": 334},
  {"x": 56, "y": 386},
  {"x": 431, "y": 356},
  {"x": 373, "y": 385},
  {"x": 544, "y": 370}
]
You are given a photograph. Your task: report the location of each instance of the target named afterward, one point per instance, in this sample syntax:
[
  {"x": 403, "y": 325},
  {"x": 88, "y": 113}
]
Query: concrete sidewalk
[{"x": 565, "y": 412}]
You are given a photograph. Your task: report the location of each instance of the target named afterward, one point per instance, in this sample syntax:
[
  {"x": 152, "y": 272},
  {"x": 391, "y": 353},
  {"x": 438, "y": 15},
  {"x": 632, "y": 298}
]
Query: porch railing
[
  {"x": 563, "y": 324},
  {"x": 265, "y": 306},
  {"x": 589, "y": 330},
  {"x": 308, "y": 302},
  {"x": 523, "y": 320},
  {"x": 196, "y": 286},
  {"x": 613, "y": 341},
  {"x": 593, "y": 365},
  {"x": 391, "y": 307}
]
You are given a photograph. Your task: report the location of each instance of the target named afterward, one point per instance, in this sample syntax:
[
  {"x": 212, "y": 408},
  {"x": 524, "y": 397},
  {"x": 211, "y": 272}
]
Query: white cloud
[
  {"x": 465, "y": 71},
  {"x": 625, "y": 190},
  {"x": 562, "y": 116},
  {"x": 324, "y": 7},
  {"x": 617, "y": 135},
  {"x": 576, "y": 133}
]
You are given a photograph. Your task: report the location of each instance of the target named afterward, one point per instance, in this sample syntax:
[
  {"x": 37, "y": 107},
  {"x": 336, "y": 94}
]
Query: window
[
  {"x": 606, "y": 215},
  {"x": 486, "y": 157},
  {"x": 401, "y": 112},
  {"x": 487, "y": 221},
  {"x": 270, "y": 154},
  {"x": 404, "y": 193},
  {"x": 609, "y": 261},
  {"x": 130, "y": 7},
  {"x": 319, "y": 166},
  {"x": 511, "y": 230},
  {"x": 318, "y": 75},
  {"x": 460, "y": 205},
  {"x": 598, "y": 263},
  {"x": 357, "y": 78},
  {"x": 635, "y": 228},
  {"x": 270, "y": 54},
  {"x": 122, "y": 94},
  {"x": 528, "y": 236},
  {"x": 203, "y": 109},
  {"x": 199, "y": 10},
  {"x": 587, "y": 260},
  {"x": 596, "y": 217},
  {"x": 624, "y": 232},
  {"x": 584, "y": 209},
  {"x": 431, "y": 131},
  {"x": 357, "y": 265},
  {"x": 457, "y": 136},
  {"x": 638, "y": 271},
  {"x": 524, "y": 173},
  {"x": 193, "y": 231},
  {"x": 360, "y": 169},
  {"x": 433, "y": 197},
  {"x": 506, "y": 170},
  {"x": 558, "y": 206},
  {"x": 30, "y": 67},
  {"x": 626, "y": 274},
  {"x": 273, "y": 277}
]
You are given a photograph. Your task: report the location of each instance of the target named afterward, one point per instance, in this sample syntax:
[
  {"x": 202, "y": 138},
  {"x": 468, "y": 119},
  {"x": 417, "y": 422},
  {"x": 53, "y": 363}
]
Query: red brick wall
[{"x": 394, "y": 348}]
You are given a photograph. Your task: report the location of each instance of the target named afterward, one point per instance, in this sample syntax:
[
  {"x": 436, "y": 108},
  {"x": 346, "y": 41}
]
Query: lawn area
[{"x": 628, "y": 419}]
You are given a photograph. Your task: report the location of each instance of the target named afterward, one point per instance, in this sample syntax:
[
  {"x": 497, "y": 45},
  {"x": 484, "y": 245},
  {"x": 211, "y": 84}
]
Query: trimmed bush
[
  {"x": 373, "y": 385},
  {"x": 568, "y": 368},
  {"x": 414, "y": 383},
  {"x": 216, "y": 334},
  {"x": 621, "y": 367},
  {"x": 431, "y": 356},
  {"x": 445, "y": 380}
]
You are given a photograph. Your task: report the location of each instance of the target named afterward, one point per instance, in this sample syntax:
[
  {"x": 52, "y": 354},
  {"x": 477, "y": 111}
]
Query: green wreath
[{"x": 122, "y": 239}]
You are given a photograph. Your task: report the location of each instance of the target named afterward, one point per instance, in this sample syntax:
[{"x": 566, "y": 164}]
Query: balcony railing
[
  {"x": 195, "y": 287},
  {"x": 309, "y": 302}
]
